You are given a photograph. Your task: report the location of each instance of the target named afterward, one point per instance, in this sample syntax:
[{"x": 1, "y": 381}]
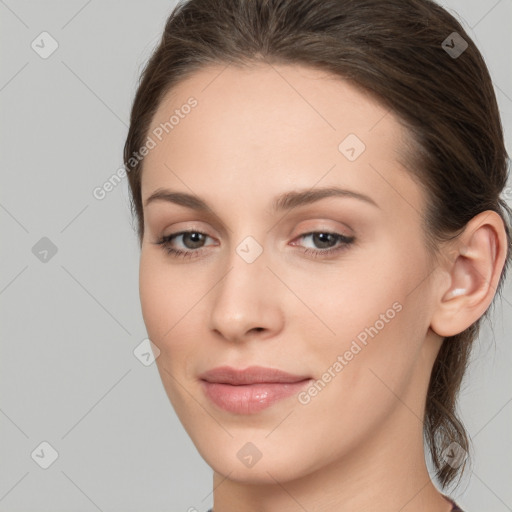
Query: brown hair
[{"x": 392, "y": 49}]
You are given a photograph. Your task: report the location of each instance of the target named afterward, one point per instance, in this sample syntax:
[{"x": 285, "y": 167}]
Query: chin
[
  {"x": 261, "y": 474},
  {"x": 230, "y": 463}
]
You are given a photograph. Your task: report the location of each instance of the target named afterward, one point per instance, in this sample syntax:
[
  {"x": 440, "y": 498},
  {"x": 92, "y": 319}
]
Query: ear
[{"x": 472, "y": 268}]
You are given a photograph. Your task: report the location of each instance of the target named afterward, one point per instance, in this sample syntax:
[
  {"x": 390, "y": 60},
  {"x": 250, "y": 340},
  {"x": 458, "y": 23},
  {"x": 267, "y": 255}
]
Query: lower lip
[{"x": 250, "y": 398}]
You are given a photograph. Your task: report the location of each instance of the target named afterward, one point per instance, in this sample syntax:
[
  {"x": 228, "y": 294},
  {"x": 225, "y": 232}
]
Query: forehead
[
  {"x": 284, "y": 124},
  {"x": 262, "y": 99}
]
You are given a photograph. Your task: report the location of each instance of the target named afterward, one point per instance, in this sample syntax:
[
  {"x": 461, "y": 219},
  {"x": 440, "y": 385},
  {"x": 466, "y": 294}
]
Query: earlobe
[{"x": 473, "y": 272}]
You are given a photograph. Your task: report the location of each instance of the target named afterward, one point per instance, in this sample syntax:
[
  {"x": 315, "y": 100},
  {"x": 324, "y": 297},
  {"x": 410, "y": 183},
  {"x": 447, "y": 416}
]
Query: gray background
[{"x": 70, "y": 324}]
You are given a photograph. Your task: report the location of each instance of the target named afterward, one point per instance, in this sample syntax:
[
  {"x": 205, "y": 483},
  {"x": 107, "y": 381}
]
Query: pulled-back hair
[{"x": 397, "y": 51}]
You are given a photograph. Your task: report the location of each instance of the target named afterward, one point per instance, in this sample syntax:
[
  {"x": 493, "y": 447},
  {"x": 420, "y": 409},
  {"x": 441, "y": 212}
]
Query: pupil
[
  {"x": 197, "y": 236},
  {"x": 324, "y": 236}
]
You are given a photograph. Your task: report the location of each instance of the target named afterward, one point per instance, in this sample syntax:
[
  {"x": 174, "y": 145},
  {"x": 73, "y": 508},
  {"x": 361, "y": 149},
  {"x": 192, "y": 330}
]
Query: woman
[{"x": 317, "y": 190}]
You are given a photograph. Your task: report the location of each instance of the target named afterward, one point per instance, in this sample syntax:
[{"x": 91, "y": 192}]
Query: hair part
[{"x": 392, "y": 49}]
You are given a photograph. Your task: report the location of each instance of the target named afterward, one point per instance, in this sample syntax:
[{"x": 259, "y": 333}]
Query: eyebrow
[{"x": 286, "y": 201}]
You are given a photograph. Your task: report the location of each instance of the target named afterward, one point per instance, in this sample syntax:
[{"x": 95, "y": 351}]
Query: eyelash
[{"x": 346, "y": 241}]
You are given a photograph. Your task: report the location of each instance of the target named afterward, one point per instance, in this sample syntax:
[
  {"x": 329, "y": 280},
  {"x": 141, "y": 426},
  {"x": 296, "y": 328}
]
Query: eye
[
  {"x": 192, "y": 240},
  {"x": 323, "y": 238}
]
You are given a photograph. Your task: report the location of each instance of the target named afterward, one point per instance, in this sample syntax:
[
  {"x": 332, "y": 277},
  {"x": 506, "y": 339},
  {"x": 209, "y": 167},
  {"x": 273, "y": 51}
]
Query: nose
[{"x": 246, "y": 303}]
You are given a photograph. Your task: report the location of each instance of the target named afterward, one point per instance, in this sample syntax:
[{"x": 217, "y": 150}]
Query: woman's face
[{"x": 334, "y": 289}]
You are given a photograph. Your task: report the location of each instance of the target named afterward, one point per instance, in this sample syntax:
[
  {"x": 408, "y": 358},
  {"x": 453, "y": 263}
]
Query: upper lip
[{"x": 250, "y": 375}]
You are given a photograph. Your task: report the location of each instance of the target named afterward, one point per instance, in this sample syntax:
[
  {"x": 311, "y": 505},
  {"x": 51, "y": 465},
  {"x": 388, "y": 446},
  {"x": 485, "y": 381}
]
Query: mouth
[{"x": 250, "y": 390}]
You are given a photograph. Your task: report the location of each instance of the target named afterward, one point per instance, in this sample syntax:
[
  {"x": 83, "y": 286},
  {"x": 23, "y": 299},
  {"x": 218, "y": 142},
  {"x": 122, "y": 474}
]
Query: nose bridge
[
  {"x": 247, "y": 268},
  {"x": 245, "y": 299},
  {"x": 248, "y": 252}
]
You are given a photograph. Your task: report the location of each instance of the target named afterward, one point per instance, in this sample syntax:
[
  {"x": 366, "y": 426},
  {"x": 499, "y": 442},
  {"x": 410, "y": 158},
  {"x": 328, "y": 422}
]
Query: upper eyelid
[
  {"x": 345, "y": 231},
  {"x": 294, "y": 216},
  {"x": 302, "y": 233}
]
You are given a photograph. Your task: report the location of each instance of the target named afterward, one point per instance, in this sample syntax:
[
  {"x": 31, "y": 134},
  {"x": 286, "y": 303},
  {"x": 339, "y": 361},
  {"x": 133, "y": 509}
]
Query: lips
[
  {"x": 250, "y": 375},
  {"x": 250, "y": 390}
]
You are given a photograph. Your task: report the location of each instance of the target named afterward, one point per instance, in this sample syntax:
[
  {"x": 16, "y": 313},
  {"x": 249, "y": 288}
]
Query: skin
[{"x": 256, "y": 133}]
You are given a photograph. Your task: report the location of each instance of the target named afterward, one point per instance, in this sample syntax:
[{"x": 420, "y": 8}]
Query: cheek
[
  {"x": 374, "y": 319},
  {"x": 387, "y": 323},
  {"x": 163, "y": 299},
  {"x": 170, "y": 302},
  {"x": 153, "y": 296},
  {"x": 358, "y": 294}
]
